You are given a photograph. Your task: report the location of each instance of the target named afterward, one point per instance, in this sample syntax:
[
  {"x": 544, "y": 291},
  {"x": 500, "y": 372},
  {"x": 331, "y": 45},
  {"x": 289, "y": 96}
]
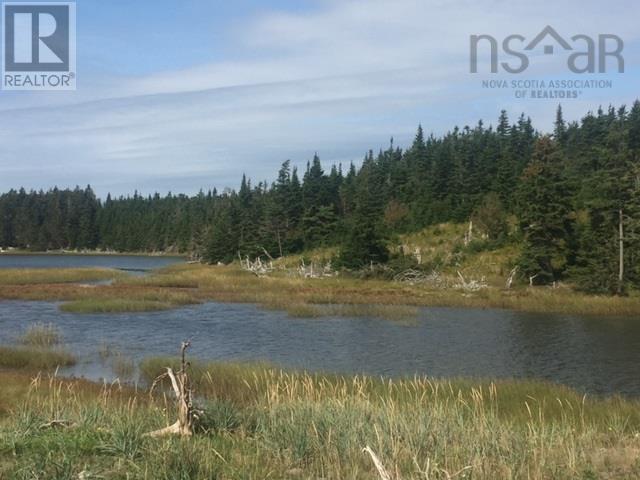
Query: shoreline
[{"x": 96, "y": 253}]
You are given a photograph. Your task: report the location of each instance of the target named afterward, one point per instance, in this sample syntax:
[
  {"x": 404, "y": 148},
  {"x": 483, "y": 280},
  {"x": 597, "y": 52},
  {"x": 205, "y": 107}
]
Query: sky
[{"x": 187, "y": 95}]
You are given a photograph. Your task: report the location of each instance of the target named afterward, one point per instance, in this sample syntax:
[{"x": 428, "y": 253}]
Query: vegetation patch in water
[
  {"x": 36, "y": 276},
  {"x": 41, "y": 335},
  {"x": 34, "y": 358},
  {"x": 137, "y": 300}
]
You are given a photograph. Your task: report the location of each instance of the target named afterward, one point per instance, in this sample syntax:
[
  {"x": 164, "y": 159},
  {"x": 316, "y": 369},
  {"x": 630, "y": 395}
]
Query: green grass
[
  {"x": 309, "y": 310},
  {"x": 133, "y": 300},
  {"x": 38, "y": 276},
  {"x": 261, "y": 422},
  {"x": 114, "y": 306},
  {"x": 34, "y": 358},
  {"x": 41, "y": 335}
]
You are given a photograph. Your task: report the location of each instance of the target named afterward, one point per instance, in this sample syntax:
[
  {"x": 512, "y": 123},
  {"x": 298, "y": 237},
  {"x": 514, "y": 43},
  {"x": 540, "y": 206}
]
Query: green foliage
[
  {"x": 545, "y": 215},
  {"x": 491, "y": 216},
  {"x": 588, "y": 168}
]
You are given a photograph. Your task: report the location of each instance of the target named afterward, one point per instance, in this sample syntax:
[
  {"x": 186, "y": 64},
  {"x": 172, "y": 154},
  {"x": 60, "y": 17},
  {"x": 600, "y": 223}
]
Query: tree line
[{"x": 570, "y": 198}]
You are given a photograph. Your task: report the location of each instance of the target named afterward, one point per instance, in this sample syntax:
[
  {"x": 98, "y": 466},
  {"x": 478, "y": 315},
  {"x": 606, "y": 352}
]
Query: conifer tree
[{"x": 545, "y": 215}]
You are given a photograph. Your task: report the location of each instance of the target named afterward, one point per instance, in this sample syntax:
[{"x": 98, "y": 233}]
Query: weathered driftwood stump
[{"x": 181, "y": 387}]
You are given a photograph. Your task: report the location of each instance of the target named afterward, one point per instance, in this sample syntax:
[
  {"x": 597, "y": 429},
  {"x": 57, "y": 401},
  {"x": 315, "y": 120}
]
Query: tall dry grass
[{"x": 262, "y": 422}]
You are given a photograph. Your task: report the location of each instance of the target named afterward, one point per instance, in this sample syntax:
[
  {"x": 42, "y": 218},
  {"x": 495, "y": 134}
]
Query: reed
[{"x": 41, "y": 335}]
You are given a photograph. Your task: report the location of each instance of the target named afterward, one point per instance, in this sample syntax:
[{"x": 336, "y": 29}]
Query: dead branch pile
[
  {"x": 314, "y": 270},
  {"x": 471, "y": 285},
  {"x": 416, "y": 277},
  {"x": 257, "y": 267}
]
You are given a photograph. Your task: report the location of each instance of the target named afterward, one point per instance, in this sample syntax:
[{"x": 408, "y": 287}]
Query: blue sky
[{"x": 183, "y": 95}]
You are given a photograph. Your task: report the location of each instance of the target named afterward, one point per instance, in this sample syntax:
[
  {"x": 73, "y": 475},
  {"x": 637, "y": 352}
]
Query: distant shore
[{"x": 93, "y": 253}]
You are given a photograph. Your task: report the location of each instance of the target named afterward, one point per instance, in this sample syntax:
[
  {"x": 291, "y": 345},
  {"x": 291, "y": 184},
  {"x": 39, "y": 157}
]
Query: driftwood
[
  {"x": 58, "y": 424},
  {"x": 187, "y": 415}
]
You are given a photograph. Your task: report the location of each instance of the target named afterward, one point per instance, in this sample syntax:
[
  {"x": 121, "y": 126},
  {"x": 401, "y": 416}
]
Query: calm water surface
[
  {"x": 597, "y": 355},
  {"x": 133, "y": 263}
]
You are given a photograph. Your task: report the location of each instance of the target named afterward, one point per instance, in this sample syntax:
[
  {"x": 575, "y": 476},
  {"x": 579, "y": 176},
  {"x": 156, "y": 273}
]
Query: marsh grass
[
  {"x": 260, "y": 421},
  {"x": 441, "y": 246},
  {"x": 36, "y": 276},
  {"x": 114, "y": 306},
  {"x": 138, "y": 300},
  {"x": 399, "y": 313},
  {"x": 41, "y": 335},
  {"x": 34, "y": 358}
]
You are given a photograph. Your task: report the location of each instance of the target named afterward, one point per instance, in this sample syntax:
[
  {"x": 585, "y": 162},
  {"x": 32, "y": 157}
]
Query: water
[
  {"x": 596, "y": 355},
  {"x": 130, "y": 263}
]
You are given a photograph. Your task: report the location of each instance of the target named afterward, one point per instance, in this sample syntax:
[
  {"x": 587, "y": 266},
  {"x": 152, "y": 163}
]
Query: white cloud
[{"x": 338, "y": 81}]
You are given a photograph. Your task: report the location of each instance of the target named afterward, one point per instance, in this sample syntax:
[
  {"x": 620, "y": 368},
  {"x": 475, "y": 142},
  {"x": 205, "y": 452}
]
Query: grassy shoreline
[
  {"x": 184, "y": 284},
  {"x": 261, "y": 422},
  {"x": 92, "y": 253},
  {"x": 441, "y": 249}
]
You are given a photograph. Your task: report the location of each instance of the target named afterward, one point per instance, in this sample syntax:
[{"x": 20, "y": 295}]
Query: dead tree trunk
[
  {"x": 181, "y": 387},
  {"x": 621, "y": 266},
  {"x": 280, "y": 244},
  {"x": 511, "y": 277}
]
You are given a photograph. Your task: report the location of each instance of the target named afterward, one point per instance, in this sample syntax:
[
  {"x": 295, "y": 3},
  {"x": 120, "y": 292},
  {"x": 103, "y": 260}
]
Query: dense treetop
[{"x": 563, "y": 196}]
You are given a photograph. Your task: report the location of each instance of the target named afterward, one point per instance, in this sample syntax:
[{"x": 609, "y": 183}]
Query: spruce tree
[{"x": 545, "y": 215}]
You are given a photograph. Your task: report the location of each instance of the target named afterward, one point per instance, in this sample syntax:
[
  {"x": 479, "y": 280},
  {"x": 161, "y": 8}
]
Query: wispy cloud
[{"x": 337, "y": 80}]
